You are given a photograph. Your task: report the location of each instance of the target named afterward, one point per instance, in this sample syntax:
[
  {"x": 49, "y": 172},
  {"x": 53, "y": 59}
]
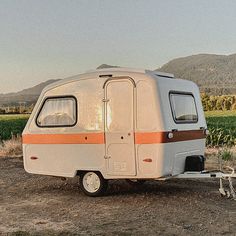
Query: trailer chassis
[{"x": 229, "y": 193}]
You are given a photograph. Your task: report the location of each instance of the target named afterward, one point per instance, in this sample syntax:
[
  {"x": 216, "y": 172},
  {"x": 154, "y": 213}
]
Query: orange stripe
[
  {"x": 94, "y": 138},
  {"x": 149, "y": 138},
  {"x": 99, "y": 138}
]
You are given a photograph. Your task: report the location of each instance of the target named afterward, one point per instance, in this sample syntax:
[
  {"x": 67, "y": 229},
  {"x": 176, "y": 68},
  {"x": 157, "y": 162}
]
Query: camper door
[{"x": 119, "y": 127}]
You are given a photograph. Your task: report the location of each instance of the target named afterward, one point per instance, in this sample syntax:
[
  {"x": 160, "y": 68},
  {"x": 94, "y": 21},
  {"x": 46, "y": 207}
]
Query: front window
[
  {"x": 58, "y": 112},
  {"x": 183, "y": 108}
]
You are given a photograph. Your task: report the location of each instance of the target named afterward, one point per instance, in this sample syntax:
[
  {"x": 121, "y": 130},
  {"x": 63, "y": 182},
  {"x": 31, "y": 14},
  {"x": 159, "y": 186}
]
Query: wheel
[
  {"x": 93, "y": 184},
  {"x": 136, "y": 182}
]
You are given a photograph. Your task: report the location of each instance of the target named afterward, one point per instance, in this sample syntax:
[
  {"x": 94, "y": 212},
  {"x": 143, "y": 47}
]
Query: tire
[
  {"x": 93, "y": 184},
  {"x": 135, "y": 182}
]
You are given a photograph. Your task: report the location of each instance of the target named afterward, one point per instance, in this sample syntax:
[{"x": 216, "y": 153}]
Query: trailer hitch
[
  {"x": 216, "y": 175},
  {"x": 231, "y": 192}
]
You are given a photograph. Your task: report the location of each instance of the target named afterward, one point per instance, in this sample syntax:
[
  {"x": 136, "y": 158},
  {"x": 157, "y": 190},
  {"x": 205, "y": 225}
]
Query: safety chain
[{"x": 232, "y": 190}]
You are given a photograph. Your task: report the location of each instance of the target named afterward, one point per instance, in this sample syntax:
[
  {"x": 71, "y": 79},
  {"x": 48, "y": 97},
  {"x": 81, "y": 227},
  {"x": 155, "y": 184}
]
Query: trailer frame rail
[{"x": 230, "y": 192}]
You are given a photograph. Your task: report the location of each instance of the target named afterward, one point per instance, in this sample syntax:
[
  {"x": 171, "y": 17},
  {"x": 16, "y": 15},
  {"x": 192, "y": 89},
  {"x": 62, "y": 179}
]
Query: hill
[
  {"x": 104, "y": 66},
  {"x": 29, "y": 95},
  {"x": 214, "y": 74}
]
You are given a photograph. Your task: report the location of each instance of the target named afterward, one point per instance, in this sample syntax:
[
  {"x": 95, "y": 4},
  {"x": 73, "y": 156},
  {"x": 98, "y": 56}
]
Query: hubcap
[{"x": 91, "y": 182}]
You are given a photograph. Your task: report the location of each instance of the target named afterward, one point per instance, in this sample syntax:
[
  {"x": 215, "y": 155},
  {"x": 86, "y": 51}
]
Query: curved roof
[
  {"x": 131, "y": 70},
  {"x": 107, "y": 72}
]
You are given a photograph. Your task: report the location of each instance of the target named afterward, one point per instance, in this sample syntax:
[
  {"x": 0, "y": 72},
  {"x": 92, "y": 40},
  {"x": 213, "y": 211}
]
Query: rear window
[
  {"x": 58, "y": 112},
  {"x": 183, "y": 108}
]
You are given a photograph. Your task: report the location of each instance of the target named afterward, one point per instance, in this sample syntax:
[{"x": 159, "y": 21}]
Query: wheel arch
[{"x": 81, "y": 172}]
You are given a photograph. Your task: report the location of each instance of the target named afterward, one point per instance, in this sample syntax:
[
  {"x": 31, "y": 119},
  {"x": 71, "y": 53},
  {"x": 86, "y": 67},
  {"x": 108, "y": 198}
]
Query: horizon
[
  {"x": 44, "y": 40},
  {"x": 43, "y": 81},
  {"x": 48, "y": 79}
]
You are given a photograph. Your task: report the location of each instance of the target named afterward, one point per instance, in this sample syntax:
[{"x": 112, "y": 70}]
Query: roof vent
[
  {"x": 163, "y": 74},
  {"x": 101, "y": 76}
]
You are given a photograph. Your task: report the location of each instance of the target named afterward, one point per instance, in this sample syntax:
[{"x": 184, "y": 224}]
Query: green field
[
  {"x": 12, "y": 125},
  {"x": 222, "y": 127},
  {"x": 220, "y": 113},
  {"x": 221, "y": 124},
  {"x": 13, "y": 117}
]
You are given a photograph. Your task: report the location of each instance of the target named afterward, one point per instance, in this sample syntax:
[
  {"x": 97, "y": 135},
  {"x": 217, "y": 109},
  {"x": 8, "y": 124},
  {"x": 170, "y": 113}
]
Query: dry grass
[
  {"x": 11, "y": 148},
  {"x": 215, "y": 151},
  {"x": 213, "y": 160}
]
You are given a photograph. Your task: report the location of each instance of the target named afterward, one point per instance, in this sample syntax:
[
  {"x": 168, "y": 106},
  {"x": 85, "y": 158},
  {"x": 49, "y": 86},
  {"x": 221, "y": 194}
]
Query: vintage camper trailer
[{"x": 116, "y": 124}]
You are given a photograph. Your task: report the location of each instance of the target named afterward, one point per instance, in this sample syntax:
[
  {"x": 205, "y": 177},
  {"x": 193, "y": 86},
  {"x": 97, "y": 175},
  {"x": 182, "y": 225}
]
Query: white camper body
[{"x": 119, "y": 123}]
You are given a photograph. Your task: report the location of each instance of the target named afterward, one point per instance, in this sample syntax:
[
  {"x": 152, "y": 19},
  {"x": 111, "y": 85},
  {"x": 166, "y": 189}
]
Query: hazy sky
[{"x": 48, "y": 39}]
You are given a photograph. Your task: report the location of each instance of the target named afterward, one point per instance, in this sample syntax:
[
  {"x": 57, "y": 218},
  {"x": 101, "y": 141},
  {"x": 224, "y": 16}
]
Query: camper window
[
  {"x": 183, "y": 107},
  {"x": 58, "y": 112}
]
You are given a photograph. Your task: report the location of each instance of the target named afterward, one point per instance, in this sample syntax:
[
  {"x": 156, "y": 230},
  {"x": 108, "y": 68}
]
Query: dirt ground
[{"x": 41, "y": 205}]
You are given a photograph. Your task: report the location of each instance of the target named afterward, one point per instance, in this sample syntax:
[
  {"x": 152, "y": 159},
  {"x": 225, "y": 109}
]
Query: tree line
[
  {"x": 209, "y": 102},
  {"x": 218, "y": 103}
]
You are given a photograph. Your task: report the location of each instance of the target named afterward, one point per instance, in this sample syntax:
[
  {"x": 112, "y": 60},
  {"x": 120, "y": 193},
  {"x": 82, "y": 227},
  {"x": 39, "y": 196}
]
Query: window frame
[
  {"x": 172, "y": 108},
  {"x": 57, "y": 97}
]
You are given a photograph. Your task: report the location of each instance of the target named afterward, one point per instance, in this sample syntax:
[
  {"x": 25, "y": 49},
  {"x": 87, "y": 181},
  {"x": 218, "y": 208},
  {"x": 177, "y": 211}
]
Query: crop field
[
  {"x": 12, "y": 125},
  {"x": 221, "y": 124},
  {"x": 222, "y": 127}
]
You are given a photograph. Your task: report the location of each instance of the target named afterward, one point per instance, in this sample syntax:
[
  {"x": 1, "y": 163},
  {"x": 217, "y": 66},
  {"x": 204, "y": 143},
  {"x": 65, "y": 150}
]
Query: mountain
[
  {"x": 29, "y": 95},
  {"x": 214, "y": 74},
  {"x": 105, "y": 66}
]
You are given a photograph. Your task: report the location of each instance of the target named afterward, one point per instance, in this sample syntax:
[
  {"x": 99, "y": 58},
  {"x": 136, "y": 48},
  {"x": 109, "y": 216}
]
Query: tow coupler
[{"x": 229, "y": 193}]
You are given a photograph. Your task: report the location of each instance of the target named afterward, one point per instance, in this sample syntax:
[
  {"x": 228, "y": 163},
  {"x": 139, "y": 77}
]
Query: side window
[
  {"x": 183, "y": 108},
  {"x": 58, "y": 112}
]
